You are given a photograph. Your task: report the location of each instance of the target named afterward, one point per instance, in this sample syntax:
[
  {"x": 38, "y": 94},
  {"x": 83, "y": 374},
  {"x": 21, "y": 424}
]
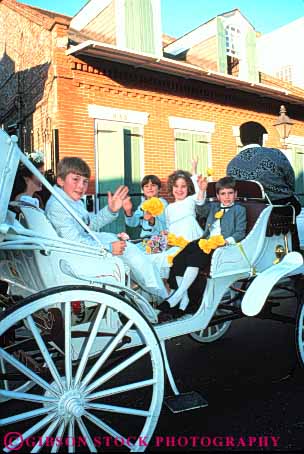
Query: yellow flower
[
  {"x": 171, "y": 238},
  {"x": 210, "y": 172},
  {"x": 148, "y": 250},
  {"x": 216, "y": 241},
  {"x": 170, "y": 258},
  {"x": 219, "y": 214},
  {"x": 207, "y": 245},
  {"x": 153, "y": 206},
  {"x": 204, "y": 246},
  {"x": 174, "y": 240}
]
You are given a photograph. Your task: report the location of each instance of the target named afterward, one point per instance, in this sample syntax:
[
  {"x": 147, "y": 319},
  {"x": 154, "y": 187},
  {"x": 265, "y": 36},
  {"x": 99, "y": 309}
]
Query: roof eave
[{"x": 169, "y": 66}]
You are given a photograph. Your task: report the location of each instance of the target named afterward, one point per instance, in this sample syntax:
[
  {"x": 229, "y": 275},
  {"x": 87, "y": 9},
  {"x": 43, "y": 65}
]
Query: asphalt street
[{"x": 254, "y": 386}]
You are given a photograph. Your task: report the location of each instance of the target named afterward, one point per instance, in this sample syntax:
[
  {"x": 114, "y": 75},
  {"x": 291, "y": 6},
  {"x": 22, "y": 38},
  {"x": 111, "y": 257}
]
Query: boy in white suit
[{"x": 72, "y": 179}]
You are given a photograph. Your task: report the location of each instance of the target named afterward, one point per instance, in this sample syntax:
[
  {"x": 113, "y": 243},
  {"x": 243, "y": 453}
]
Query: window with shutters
[
  {"x": 233, "y": 40},
  {"x": 191, "y": 145}
]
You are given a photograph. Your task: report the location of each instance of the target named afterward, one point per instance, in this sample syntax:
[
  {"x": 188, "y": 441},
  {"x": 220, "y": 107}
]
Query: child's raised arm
[
  {"x": 194, "y": 163},
  {"x": 202, "y": 184},
  {"x": 115, "y": 201}
]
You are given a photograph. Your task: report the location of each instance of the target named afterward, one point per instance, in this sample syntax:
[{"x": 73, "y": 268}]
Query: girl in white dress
[{"x": 181, "y": 214}]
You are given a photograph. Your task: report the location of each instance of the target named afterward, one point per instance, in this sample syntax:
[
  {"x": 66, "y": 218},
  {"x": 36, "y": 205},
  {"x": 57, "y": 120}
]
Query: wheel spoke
[
  {"x": 71, "y": 433},
  {"x": 26, "y": 415},
  {"x": 86, "y": 435},
  {"x": 102, "y": 425},
  {"x": 89, "y": 344},
  {"x": 117, "y": 369},
  {"x": 43, "y": 349},
  {"x": 26, "y": 396},
  {"x": 26, "y": 371},
  {"x": 120, "y": 389},
  {"x": 59, "y": 435},
  {"x": 67, "y": 344},
  {"x": 3, "y": 370},
  {"x": 117, "y": 409},
  {"x": 44, "y": 437},
  {"x": 114, "y": 342},
  {"x": 30, "y": 432}
]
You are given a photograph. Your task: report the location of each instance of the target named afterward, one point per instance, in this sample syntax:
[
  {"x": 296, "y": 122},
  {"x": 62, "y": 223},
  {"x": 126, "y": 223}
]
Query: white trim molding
[
  {"x": 295, "y": 140},
  {"x": 123, "y": 115},
  {"x": 206, "y": 127}
]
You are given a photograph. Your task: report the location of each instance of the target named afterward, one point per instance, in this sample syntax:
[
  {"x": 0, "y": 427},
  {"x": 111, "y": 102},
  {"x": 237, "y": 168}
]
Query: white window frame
[{"x": 233, "y": 40}]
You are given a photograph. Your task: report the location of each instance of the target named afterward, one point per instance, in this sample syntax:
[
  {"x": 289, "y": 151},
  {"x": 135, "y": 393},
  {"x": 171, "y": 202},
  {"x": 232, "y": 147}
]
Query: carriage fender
[{"x": 262, "y": 285}]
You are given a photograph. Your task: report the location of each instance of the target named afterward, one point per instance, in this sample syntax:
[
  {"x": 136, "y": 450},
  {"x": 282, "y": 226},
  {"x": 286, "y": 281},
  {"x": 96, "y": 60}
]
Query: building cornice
[{"x": 100, "y": 50}]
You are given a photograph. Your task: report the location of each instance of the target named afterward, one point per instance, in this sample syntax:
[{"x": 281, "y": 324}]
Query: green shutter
[
  {"x": 298, "y": 166},
  {"x": 139, "y": 26},
  {"x": 110, "y": 151},
  {"x": 132, "y": 140},
  {"x": 200, "y": 150},
  {"x": 251, "y": 56},
  {"x": 183, "y": 150},
  {"x": 188, "y": 146},
  {"x": 221, "y": 46}
]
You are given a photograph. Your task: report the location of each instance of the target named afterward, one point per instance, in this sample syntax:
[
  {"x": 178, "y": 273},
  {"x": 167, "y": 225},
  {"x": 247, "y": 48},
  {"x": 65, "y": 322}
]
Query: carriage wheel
[
  {"x": 300, "y": 332},
  {"x": 212, "y": 333},
  {"x": 101, "y": 382}
]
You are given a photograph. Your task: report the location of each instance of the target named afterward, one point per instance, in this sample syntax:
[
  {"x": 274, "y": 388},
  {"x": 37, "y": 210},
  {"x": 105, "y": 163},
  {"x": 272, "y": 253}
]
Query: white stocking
[{"x": 183, "y": 284}]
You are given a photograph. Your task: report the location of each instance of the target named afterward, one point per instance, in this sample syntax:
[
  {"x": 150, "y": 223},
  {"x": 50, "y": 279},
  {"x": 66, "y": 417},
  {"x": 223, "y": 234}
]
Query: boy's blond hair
[{"x": 73, "y": 165}]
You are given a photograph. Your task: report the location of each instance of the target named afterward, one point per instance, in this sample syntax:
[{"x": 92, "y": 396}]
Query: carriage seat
[
  {"x": 251, "y": 194},
  {"x": 35, "y": 219}
]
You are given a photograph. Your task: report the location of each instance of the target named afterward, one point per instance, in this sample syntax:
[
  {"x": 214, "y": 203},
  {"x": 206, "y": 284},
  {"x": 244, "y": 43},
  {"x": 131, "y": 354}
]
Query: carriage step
[{"x": 185, "y": 402}]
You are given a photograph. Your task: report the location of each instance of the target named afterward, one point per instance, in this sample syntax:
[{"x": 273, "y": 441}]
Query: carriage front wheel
[
  {"x": 212, "y": 333},
  {"x": 97, "y": 385}
]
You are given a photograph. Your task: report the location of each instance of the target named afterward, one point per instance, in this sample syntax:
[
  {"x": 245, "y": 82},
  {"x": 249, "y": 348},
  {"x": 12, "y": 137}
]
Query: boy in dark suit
[{"x": 224, "y": 217}]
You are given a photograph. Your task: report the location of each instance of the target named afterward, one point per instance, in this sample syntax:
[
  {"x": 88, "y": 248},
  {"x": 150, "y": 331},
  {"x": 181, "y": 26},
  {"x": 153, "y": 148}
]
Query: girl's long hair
[
  {"x": 20, "y": 183},
  {"x": 175, "y": 176}
]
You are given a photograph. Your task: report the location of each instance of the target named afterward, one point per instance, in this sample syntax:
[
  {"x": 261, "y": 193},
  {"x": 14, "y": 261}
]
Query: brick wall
[
  {"x": 31, "y": 50},
  {"x": 161, "y": 96}
]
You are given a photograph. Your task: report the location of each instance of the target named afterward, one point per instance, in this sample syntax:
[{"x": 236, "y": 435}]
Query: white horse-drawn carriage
[{"x": 76, "y": 373}]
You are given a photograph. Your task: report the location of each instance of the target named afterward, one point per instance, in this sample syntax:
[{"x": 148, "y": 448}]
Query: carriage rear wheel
[{"x": 103, "y": 377}]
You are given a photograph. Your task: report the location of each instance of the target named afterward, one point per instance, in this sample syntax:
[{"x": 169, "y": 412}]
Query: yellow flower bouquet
[
  {"x": 153, "y": 206},
  {"x": 207, "y": 245},
  {"x": 219, "y": 214}
]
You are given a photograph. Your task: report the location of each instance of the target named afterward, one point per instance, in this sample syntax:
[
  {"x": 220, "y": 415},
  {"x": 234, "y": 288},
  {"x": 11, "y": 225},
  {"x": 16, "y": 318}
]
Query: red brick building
[{"x": 81, "y": 86}]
